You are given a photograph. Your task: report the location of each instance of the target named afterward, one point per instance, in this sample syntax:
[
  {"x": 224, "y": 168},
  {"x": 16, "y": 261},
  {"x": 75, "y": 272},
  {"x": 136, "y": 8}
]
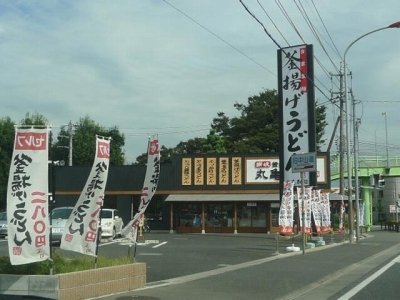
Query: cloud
[{"x": 146, "y": 67}]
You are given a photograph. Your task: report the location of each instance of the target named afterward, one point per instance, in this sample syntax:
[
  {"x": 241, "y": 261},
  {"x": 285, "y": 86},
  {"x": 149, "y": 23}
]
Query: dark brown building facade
[{"x": 196, "y": 193}]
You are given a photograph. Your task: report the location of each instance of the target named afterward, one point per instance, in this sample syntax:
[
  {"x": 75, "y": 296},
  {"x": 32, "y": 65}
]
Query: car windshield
[
  {"x": 62, "y": 213},
  {"x": 106, "y": 214},
  {"x": 3, "y": 216}
]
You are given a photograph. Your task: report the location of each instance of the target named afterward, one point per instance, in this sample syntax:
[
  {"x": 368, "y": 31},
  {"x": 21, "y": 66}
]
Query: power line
[
  {"x": 313, "y": 30},
  {"x": 165, "y": 132},
  {"x": 288, "y": 19},
  {"x": 219, "y": 38},
  {"x": 381, "y": 101},
  {"x": 273, "y": 23},
  {"x": 279, "y": 46},
  {"x": 286, "y": 15},
  {"x": 326, "y": 30}
]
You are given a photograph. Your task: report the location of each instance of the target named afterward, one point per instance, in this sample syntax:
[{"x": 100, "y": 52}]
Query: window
[
  {"x": 252, "y": 214},
  {"x": 219, "y": 215},
  {"x": 189, "y": 215}
]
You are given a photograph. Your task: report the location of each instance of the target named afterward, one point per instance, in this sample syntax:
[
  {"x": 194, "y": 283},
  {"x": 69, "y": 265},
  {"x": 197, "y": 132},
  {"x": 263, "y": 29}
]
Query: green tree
[
  {"x": 321, "y": 123},
  {"x": 191, "y": 146},
  {"x": 214, "y": 143},
  {"x": 34, "y": 119},
  {"x": 256, "y": 130},
  {"x": 7, "y": 133},
  {"x": 84, "y": 143},
  {"x": 165, "y": 156}
]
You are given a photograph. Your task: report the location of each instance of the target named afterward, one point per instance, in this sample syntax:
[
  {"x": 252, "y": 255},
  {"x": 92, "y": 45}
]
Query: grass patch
[{"x": 61, "y": 264}]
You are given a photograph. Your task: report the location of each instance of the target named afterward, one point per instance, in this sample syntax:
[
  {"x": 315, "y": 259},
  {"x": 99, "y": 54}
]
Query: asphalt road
[{"x": 248, "y": 266}]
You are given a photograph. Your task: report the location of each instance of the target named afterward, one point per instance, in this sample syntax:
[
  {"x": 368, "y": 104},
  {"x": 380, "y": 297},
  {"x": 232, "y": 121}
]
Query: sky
[{"x": 168, "y": 67}]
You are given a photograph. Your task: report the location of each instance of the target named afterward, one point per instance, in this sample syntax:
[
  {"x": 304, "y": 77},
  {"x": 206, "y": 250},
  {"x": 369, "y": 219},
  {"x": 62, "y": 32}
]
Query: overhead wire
[
  {"x": 279, "y": 46},
  {"x": 313, "y": 30},
  {"x": 286, "y": 15},
  {"x": 326, "y": 30},
  {"x": 219, "y": 37},
  {"x": 316, "y": 35},
  {"x": 318, "y": 61},
  {"x": 289, "y": 19},
  {"x": 165, "y": 132},
  {"x": 273, "y": 23}
]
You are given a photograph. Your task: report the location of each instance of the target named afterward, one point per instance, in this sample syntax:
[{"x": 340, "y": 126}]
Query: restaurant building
[{"x": 196, "y": 193}]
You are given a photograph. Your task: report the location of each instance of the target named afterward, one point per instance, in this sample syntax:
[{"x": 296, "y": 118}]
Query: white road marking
[
  {"x": 159, "y": 245},
  {"x": 368, "y": 280}
]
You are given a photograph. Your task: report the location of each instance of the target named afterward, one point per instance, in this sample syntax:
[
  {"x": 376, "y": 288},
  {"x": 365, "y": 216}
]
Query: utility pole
[
  {"x": 343, "y": 94},
  {"x": 356, "y": 179},
  {"x": 70, "y": 144},
  {"x": 386, "y": 142},
  {"x": 341, "y": 132}
]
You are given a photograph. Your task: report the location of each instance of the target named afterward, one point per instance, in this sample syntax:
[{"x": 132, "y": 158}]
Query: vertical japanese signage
[
  {"x": 223, "y": 171},
  {"x": 296, "y": 103},
  {"x": 236, "y": 170},
  {"x": 199, "y": 171},
  {"x": 81, "y": 229},
  {"x": 149, "y": 187},
  {"x": 27, "y": 198},
  {"x": 186, "y": 171},
  {"x": 211, "y": 171}
]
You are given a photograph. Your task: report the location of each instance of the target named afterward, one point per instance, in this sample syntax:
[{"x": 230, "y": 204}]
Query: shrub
[{"x": 61, "y": 264}]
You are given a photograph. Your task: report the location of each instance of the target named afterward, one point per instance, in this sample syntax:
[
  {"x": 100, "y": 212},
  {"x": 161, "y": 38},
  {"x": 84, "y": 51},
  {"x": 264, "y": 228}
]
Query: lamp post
[{"x": 349, "y": 173}]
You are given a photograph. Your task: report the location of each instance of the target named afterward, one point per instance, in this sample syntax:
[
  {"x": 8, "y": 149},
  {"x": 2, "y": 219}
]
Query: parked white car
[
  {"x": 3, "y": 224},
  {"x": 111, "y": 223},
  {"x": 59, "y": 217}
]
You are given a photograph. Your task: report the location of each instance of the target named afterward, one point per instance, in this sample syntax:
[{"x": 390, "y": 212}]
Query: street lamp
[{"x": 349, "y": 174}]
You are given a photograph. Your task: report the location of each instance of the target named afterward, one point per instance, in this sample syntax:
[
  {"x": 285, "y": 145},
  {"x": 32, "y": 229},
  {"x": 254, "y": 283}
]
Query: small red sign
[
  {"x": 31, "y": 141},
  {"x": 103, "y": 150},
  {"x": 154, "y": 147}
]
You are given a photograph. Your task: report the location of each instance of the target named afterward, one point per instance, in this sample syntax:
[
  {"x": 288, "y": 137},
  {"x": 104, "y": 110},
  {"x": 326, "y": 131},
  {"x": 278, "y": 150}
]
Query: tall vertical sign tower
[{"x": 296, "y": 109}]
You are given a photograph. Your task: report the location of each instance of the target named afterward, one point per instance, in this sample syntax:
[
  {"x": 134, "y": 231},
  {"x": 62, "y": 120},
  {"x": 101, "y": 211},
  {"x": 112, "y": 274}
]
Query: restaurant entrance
[{"x": 221, "y": 217}]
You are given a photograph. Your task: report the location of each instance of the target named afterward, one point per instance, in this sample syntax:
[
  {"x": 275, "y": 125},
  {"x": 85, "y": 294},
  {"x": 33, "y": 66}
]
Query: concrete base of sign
[
  {"x": 310, "y": 245},
  {"x": 292, "y": 249}
]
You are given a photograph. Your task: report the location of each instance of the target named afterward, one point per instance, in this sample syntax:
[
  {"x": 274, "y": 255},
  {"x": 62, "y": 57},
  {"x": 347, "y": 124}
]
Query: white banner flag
[
  {"x": 27, "y": 198},
  {"x": 326, "y": 212},
  {"x": 286, "y": 210},
  {"x": 306, "y": 207},
  {"x": 81, "y": 229},
  {"x": 341, "y": 215},
  {"x": 149, "y": 186},
  {"x": 316, "y": 209}
]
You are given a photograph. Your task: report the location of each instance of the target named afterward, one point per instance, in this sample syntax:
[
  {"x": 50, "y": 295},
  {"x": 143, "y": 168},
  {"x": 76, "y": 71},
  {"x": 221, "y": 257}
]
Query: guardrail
[{"x": 365, "y": 161}]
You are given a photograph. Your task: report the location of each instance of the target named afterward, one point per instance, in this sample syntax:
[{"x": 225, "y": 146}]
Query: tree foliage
[
  {"x": 84, "y": 143},
  {"x": 255, "y": 130},
  {"x": 34, "y": 119},
  {"x": 6, "y": 147}
]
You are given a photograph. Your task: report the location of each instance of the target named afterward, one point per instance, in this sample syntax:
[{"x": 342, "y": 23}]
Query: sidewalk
[{"x": 323, "y": 272}]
